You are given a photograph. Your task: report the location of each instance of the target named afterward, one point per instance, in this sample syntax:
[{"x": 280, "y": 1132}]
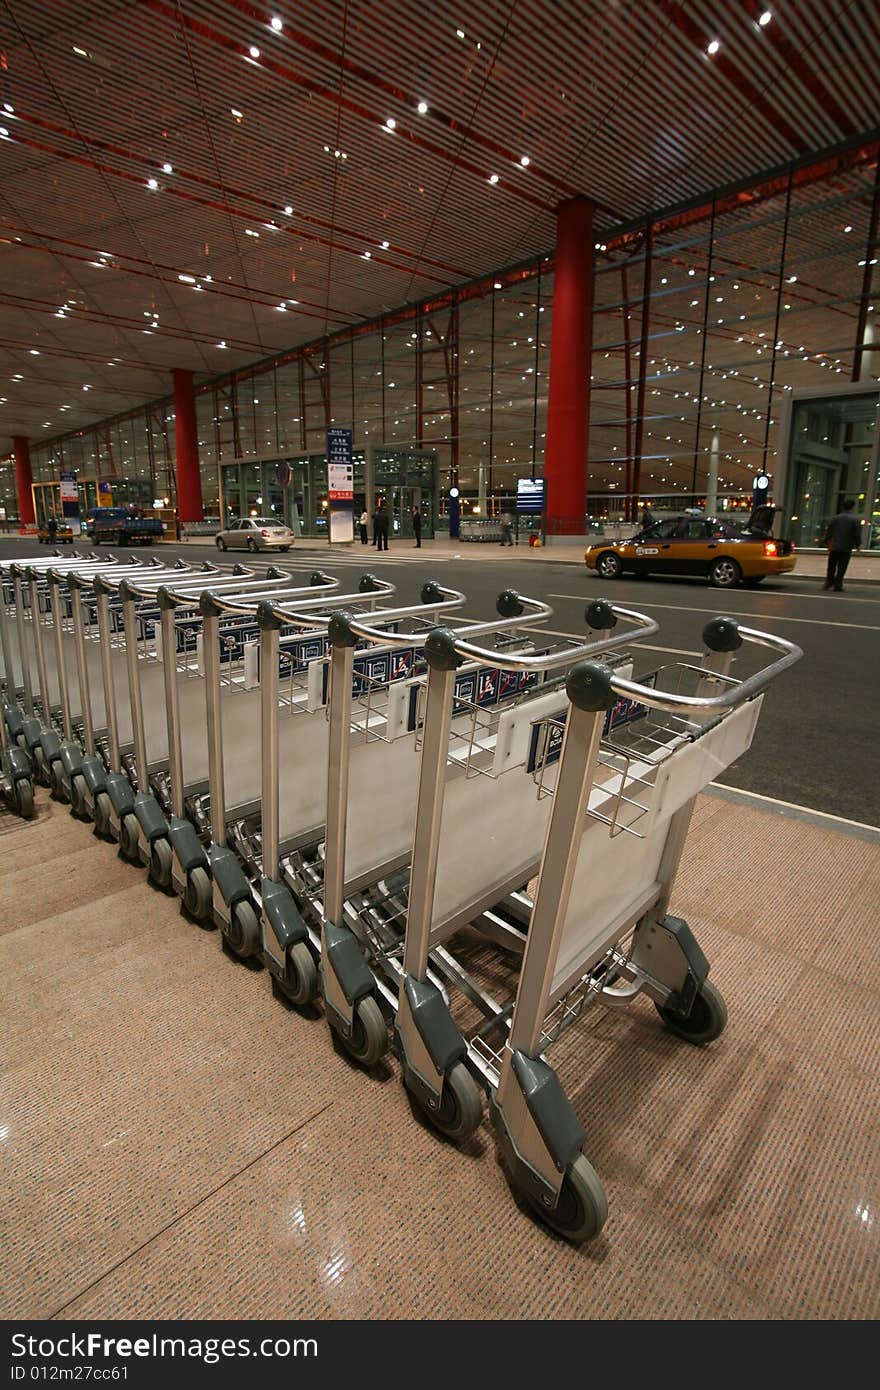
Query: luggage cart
[
  {"x": 240, "y": 784},
  {"x": 184, "y": 707},
  {"x": 621, "y": 796},
  {"x": 139, "y": 821}
]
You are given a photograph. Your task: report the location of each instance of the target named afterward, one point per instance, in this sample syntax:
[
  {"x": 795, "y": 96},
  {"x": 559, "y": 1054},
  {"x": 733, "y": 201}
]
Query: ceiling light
[
  {"x": 713, "y": 48},
  {"x": 277, "y": 24},
  {"x": 497, "y": 285},
  {"x": 390, "y": 123},
  {"x": 765, "y": 19},
  {"x": 87, "y": 388},
  {"x": 848, "y": 228},
  {"x": 524, "y": 160},
  {"x": 10, "y": 109},
  {"x": 271, "y": 227},
  {"x": 167, "y": 169},
  {"x": 237, "y": 114},
  {"x": 385, "y": 245},
  {"x": 35, "y": 352},
  {"x": 249, "y": 231},
  {"x": 288, "y": 211},
  {"x": 367, "y": 255},
  {"x": 4, "y": 133},
  {"x": 282, "y": 308},
  {"x": 222, "y": 343},
  {"x": 254, "y": 52},
  {"x": 493, "y": 178},
  {"x": 83, "y": 53},
  {"x": 422, "y": 108},
  {"x": 460, "y": 33},
  {"x": 153, "y": 183}
]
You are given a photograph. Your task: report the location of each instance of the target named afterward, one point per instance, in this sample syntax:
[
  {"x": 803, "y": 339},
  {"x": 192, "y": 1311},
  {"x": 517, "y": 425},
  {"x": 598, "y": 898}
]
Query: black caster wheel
[
  {"x": 103, "y": 809},
  {"x": 24, "y": 798},
  {"x": 460, "y": 1111},
  {"x": 198, "y": 895},
  {"x": 300, "y": 983},
  {"x": 706, "y": 1020},
  {"x": 368, "y": 1041},
  {"x": 243, "y": 933},
  {"x": 582, "y": 1208},
  {"x": 56, "y": 782},
  {"x": 160, "y": 862},
  {"x": 129, "y": 837},
  {"x": 78, "y": 806}
]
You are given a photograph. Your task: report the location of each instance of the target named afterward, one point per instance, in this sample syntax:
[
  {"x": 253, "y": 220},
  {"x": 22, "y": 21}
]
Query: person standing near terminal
[
  {"x": 52, "y": 528},
  {"x": 380, "y": 528},
  {"x": 842, "y": 537},
  {"x": 417, "y": 527},
  {"x": 364, "y": 521}
]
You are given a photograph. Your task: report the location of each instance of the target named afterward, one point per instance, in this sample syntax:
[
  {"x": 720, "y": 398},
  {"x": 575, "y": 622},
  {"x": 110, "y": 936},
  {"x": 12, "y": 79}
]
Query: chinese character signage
[
  {"x": 340, "y": 485},
  {"x": 530, "y": 495}
]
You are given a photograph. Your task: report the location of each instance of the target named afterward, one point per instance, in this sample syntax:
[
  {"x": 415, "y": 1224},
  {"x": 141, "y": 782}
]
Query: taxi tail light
[
  {"x": 266, "y": 533},
  {"x": 770, "y": 548}
]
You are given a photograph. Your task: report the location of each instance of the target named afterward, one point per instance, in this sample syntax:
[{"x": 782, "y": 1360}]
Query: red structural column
[
  {"x": 568, "y": 403},
  {"x": 24, "y": 480},
  {"x": 186, "y": 445}
]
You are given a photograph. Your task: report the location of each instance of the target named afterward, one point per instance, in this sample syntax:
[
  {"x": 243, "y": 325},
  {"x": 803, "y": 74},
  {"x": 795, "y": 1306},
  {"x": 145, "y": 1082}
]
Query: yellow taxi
[{"x": 689, "y": 544}]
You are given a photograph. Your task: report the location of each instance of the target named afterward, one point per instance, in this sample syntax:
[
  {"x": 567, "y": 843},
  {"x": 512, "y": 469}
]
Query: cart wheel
[
  {"x": 103, "y": 808},
  {"x": 160, "y": 862},
  {"x": 243, "y": 932},
  {"x": 461, "y": 1105},
  {"x": 369, "y": 1036},
  {"x": 608, "y": 565},
  {"x": 41, "y": 770},
  {"x": 78, "y": 799},
  {"x": 56, "y": 781},
  {"x": 24, "y": 798},
  {"x": 198, "y": 894},
  {"x": 706, "y": 1020},
  {"x": 300, "y": 982},
  {"x": 582, "y": 1208},
  {"x": 129, "y": 835},
  {"x": 724, "y": 573}
]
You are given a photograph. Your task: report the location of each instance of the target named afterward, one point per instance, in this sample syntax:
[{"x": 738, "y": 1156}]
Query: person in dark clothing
[
  {"x": 380, "y": 528},
  {"x": 647, "y": 518},
  {"x": 363, "y": 525},
  {"x": 842, "y": 536},
  {"x": 52, "y": 528},
  {"x": 417, "y": 527}
]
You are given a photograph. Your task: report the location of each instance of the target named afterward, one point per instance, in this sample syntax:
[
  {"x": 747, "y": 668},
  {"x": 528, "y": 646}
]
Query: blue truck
[{"x": 122, "y": 526}]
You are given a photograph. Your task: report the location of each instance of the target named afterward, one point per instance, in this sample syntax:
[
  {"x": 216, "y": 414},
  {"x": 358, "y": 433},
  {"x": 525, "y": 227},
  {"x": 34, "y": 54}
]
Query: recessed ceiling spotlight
[
  {"x": 497, "y": 285},
  {"x": 8, "y": 108},
  {"x": 222, "y": 343},
  {"x": 167, "y": 169},
  {"x": 391, "y": 123},
  {"x": 187, "y": 279},
  {"x": 765, "y": 19},
  {"x": 254, "y": 52},
  {"x": 848, "y": 228},
  {"x": 367, "y": 255},
  {"x": 524, "y": 160},
  {"x": 385, "y": 245},
  {"x": 288, "y": 211},
  {"x": 459, "y": 33},
  {"x": 4, "y": 133},
  {"x": 277, "y": 24},
  {"x": 35, "y": 352},
  {"x": 153, "y": 183},
  {"x": 238, "y": 115},
  {"x": 422, "y": 108},
  {"x": 713, "y": 48},
  {"x": 493, "y": 178}
]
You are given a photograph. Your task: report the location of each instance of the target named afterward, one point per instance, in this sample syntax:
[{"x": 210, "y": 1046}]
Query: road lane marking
[{"x": 737, "y": 613}]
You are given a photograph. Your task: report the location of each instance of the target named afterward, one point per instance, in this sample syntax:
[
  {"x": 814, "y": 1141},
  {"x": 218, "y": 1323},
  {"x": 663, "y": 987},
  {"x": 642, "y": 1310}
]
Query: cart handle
[
  {"x": 433, "y": 595},
  {"x": 719, "y": 635},
  {"x": 187, "y": 589},
  {"x": 515, "y": 610},
  {"x": 601, "y": 616},
  {"x": 249, "y": 604}
]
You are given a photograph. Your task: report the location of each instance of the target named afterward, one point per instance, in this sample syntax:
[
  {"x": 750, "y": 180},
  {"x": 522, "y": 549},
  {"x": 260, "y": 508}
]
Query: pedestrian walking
[
  {"x": 843, "y": 535},
  {"x": 647, "y": 518},
  {"x": 364, "y": 521},
  {"x": 506, "y": 529},
  {"x": 380, "y": 528},
  {"x": 417, "y": 527},
  {"x": 52, "y": 528}
]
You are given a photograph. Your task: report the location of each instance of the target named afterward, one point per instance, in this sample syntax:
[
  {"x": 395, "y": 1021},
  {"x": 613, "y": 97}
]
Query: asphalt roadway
[{"x": 817, "y": 740}]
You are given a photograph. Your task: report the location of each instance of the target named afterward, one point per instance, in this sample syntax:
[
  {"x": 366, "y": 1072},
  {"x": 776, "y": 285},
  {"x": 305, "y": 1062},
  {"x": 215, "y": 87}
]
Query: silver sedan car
[{"x": 255, "y": 533}]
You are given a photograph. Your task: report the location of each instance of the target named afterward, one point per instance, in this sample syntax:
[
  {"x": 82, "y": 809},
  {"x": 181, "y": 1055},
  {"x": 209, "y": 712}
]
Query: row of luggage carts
[{"x": 455, "y": 835}]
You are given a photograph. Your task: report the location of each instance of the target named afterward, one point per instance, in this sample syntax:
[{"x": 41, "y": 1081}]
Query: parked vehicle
[
  {"x": 122, "y": 526},
  {"x": 63, "y": 534},
  {"x": 691, "y": 544},
  {"x": 255, "y": 533}
]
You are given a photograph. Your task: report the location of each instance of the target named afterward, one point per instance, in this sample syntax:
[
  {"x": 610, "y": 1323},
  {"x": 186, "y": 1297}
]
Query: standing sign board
[
  {"x": 530, "y": 495},
  {"x": 69, "y": 496},
  {"x": 340, "y": 485}
]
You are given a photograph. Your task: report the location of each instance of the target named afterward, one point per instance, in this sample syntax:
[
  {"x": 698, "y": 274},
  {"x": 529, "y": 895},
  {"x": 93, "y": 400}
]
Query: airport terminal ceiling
[{"x": 235, "y": 182}]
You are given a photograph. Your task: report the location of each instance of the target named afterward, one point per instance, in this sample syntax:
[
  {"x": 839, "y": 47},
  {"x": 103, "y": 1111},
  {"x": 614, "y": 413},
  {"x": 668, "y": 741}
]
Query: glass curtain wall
[{"x": 703, "y": 323}]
